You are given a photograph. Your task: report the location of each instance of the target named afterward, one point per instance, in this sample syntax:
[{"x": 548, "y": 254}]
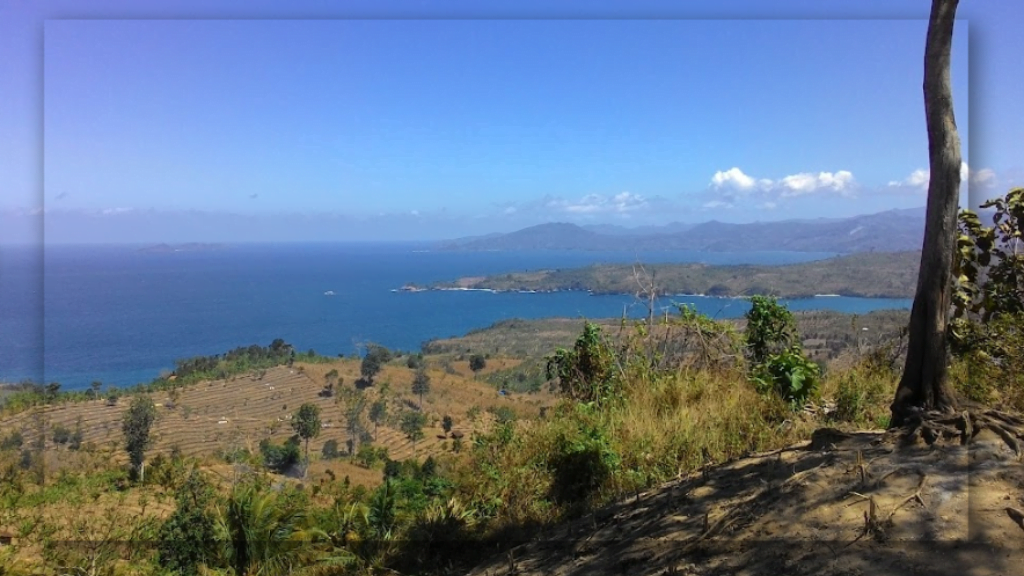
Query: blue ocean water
[{"x": 121, "y": 315}]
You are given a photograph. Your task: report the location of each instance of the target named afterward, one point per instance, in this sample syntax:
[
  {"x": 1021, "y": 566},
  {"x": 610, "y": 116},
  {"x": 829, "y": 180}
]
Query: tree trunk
[{"x": 923, "y": 386}]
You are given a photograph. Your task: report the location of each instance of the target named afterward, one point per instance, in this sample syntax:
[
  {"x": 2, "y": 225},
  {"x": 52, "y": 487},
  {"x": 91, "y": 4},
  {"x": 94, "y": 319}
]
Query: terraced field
[{"x": 216, "y": 417}]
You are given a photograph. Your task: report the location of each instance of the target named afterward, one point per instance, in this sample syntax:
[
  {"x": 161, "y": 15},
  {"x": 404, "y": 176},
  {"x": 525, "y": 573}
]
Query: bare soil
[{"x": 841, "y": 504}]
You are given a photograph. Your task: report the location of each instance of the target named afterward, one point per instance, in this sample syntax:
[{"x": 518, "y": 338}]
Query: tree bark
[{"x": 923, "y": 386}]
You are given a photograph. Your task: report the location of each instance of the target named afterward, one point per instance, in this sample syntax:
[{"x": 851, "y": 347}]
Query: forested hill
[
  {"x": 891, "y": 231},
  {"x": 883, "y": 275}
]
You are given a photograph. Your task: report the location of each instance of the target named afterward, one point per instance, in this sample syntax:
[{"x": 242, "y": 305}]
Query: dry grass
[{"x": 222, "y": 416}]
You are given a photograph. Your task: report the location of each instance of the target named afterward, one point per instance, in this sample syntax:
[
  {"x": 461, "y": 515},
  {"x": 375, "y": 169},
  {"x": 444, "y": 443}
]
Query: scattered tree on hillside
[
  {"x": 95, "y": 388},
  {"x": 378, "y": 414},
  {"x": 421, "y": 384},
  {"x": 923, "y": 386},
  {"x": 412, "y": 425},
  {"x": 447, "y": 423},
  {"x": 354, "y": 420},
  {"x": 306, "y": 423},
  {"x": 477, "y": 362},
  {"x": 375, "y": 358},
  {"x": 136, "y": 425}
]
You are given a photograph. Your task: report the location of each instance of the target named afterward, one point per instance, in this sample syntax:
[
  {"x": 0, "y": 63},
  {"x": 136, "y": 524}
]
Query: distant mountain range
[{"x": 891, "y": 231}]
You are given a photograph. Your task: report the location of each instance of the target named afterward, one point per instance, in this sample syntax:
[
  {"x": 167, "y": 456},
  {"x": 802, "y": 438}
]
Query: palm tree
[{"x": 263, "y": 534}]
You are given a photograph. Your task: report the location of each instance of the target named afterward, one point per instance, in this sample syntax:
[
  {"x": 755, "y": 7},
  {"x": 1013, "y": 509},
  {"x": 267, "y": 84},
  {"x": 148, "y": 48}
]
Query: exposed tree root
[{"x": 933, "y": 427}]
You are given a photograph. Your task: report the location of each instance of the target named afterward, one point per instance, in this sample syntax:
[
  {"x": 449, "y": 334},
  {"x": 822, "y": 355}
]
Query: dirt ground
[{"x": 842, "y": 504}]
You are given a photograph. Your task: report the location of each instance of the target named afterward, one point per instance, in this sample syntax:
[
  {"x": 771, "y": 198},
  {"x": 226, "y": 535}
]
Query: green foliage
[
  {"x": 789, "y": 374},
  {"x": 12, "y": 441},
  {"x": 447, "y": 423},
  {"x": 136, "y": 425},
  {"x": 368, "y": 456},
  {"x": 237, "y": 361},
  {"x": 279, "y": 458},
  {"x": 61, "y": 434},
  {"x": 375, "y": 359},
  {"x": 770, "y": 328},
  {"x": 329, "y": 450},
  {"x": 186, "y": 538},
  {"x": 585, "y": 373},
  {"x": 262, "y": 532},
  {"x": 415, "y": 361},
  {"x": 583, "y": 461},
  {"x": 477, "y": 362},
  {"x": 986, "y": 332},
  {"x": 378, "y": 414},
  {"x": 421, "y": 384},
  {"x": 989, "y": 266},
  {"x": 412, "y": 425},
  {"x": 306, "y": 423},
  {"x": 777, "y": 363}
]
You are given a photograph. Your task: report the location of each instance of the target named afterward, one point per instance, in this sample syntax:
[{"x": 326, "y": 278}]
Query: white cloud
[
  {"x": 621, "y": 203},
  {"x": 734, "y": 178},
  {"x": 769, "y": 205},
  {"x": 918, "y": 179},
  {"x": 716, "y": 204},
  {"x": 807, "y": 183},
  {"x": 984, "y": 177},
  {"x": 733, "y": 182}
]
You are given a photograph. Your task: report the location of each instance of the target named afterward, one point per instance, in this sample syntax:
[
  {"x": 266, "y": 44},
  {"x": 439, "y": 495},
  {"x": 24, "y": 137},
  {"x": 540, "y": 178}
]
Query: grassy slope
[
  {"x": 888, "y": 275},
  {"x": 225, "y": 415}
]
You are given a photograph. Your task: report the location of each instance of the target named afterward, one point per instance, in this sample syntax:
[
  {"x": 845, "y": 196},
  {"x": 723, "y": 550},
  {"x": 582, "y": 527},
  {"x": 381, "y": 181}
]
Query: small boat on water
[{"x": 329, "y": 293}]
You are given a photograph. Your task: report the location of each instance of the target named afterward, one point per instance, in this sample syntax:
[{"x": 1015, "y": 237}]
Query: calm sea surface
[{"x": 120, "y": 315}]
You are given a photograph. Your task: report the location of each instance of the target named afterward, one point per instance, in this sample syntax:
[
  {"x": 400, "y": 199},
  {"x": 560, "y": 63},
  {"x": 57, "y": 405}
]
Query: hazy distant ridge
[{"x": 891, "y": 231}]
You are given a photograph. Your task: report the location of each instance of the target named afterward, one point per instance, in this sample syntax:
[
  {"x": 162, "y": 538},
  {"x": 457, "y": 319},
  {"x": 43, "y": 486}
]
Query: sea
[{"x": 122, "y": 315}]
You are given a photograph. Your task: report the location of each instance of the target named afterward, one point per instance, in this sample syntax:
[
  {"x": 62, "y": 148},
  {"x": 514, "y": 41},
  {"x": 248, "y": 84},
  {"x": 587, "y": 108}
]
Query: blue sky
[{"x": 458, "y": 119}]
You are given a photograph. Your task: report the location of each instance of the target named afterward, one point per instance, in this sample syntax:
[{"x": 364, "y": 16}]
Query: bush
[
  {"x": 789, "y": 374},
  {"x": 585, "y": 372},
  {"x": 330, "y": 450},
  {"x": 280, "y": 458},
  {"x": 581, "y": 464},
  {"x": 186, "y": 538},
  {"x": 770, "y": 328}
]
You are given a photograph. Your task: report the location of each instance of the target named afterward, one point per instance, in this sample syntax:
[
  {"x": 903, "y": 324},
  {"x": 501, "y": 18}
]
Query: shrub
[
  {"x": 330, "y": 449},
  {"x": 280, "y": 458},
  {"x": 770, "y": 328},
  {"x": 789, "y": 374},
  {"x": 186, "y": 538},
  {"x": 585, "y": 373},
  {"x": 581, "y": 463}
]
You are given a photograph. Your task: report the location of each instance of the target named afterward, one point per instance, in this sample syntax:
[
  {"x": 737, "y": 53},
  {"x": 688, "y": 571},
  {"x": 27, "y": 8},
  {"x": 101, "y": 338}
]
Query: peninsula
[{"x": 868, "y": 275}]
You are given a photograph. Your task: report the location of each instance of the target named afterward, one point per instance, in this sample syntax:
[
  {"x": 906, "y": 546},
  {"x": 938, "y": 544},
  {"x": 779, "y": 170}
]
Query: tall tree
[
  {"x": 378, "y": 413},
  {"x": 306, "y": 423},
  {"x": 136, "y": 424},
  {"x": 924, "y": 386},
  {"x": 375, "y": 359},
  {"x": 421, "y": 384}
]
